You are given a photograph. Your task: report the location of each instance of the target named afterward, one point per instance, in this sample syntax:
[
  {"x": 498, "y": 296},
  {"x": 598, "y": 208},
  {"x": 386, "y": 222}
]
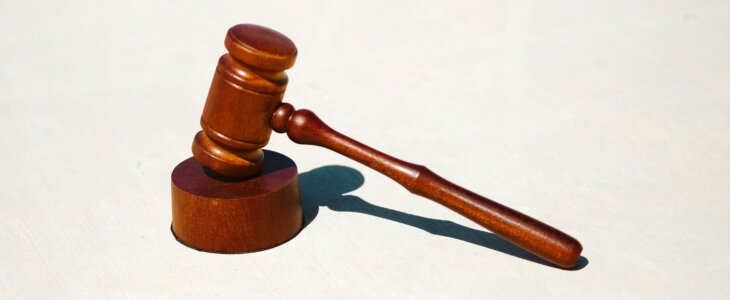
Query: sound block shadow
[{"x": 326, "y": 186}]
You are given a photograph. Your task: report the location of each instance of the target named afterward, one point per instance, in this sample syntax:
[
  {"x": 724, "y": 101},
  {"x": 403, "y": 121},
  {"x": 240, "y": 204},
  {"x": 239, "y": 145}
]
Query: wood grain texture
[
  {"x": 216, "y": 214},
  {"x": 243, "y": 106},
  {"x": 304, "y": 127},
  {"x": 248, "y": 84}
]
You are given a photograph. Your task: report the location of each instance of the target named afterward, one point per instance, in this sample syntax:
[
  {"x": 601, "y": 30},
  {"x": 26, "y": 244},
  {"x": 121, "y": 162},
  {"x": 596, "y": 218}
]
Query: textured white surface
[{"x": 607, "y": 119}]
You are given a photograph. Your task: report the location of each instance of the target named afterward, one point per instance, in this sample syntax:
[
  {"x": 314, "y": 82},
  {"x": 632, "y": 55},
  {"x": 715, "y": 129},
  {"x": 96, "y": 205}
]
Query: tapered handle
[{"x": 304, "y": 127}]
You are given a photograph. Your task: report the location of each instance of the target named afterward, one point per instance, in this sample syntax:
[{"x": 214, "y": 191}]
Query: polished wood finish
[
  {"x": 304, "y": 127},
  {"x": 216, "y": 214},
  {"x": 248, "y": 84},
  {"x": 244, "y": 105}
]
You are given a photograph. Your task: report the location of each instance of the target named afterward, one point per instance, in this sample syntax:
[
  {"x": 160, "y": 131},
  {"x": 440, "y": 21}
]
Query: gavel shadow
[{"x": 326, "y": 186}]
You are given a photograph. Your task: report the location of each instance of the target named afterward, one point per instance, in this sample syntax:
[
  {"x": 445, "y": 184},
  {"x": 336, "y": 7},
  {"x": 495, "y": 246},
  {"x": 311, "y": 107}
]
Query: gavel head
[{"x": 247, "y": 87}]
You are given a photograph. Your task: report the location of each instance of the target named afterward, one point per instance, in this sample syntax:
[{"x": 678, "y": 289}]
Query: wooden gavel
[{"x": 245, "y": 103}]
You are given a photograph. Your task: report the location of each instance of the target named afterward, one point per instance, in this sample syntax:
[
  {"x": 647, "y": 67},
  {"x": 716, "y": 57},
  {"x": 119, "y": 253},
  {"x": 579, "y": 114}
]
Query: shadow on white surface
[{"x": 326, "y": 186}]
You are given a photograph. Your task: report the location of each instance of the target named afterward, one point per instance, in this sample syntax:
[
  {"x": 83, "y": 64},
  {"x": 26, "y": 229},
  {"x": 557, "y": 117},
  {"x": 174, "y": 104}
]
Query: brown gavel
[{"x": 245, "y": 103}]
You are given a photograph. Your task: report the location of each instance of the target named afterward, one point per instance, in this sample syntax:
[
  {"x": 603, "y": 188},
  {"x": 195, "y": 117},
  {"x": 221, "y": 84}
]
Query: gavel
[{"x": 244, "y": 105}]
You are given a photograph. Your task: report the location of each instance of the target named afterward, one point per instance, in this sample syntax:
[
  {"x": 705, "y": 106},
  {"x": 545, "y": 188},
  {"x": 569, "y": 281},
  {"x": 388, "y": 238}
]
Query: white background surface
[{"x": 607, "y": 119}]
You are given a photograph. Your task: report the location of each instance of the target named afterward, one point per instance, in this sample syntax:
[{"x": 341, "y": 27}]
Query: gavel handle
[{"x": 304, "y": 127}]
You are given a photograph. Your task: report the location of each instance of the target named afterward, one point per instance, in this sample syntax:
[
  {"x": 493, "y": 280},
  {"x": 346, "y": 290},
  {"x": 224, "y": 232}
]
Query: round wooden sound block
[{"x": 215, "y": 214}]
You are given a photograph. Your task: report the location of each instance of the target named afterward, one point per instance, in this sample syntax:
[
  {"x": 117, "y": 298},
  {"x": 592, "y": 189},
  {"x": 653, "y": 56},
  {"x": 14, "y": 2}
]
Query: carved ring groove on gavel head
[{"x": 248, "y": 85}]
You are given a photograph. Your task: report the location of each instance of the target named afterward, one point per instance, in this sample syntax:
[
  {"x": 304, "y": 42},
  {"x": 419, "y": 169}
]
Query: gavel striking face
[{"x": 245, "y": 103}]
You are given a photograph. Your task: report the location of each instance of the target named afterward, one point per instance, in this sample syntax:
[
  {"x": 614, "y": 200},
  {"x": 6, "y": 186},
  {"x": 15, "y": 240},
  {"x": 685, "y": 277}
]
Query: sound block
[{"x": 215, "y": 214}]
